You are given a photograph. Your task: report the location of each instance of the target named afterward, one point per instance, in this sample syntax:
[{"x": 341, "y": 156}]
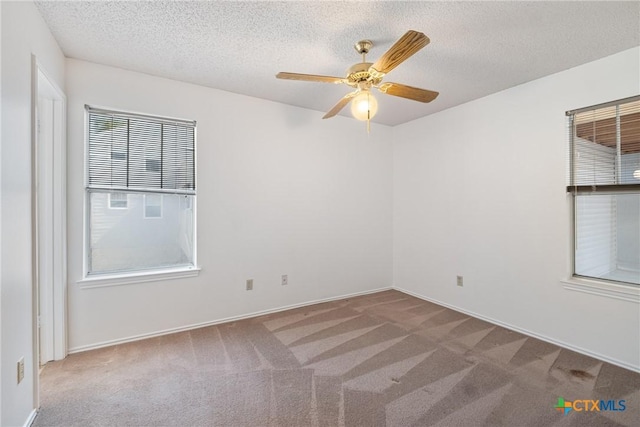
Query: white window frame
[
  {"x": 131, "y": 277},
  {"x": 591, "y": 285}
]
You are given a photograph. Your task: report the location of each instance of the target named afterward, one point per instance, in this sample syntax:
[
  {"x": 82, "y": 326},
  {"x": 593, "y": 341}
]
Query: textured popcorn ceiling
[{"x": 477, "y": 48}]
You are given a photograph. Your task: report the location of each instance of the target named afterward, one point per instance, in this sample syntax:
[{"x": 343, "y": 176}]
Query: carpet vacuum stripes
[{"x": 384, "y": 359}]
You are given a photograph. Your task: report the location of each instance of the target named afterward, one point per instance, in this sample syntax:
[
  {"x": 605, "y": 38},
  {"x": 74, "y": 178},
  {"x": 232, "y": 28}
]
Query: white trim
[
  {"x": 527, "y": 332},
  {"x": 60, "y": 230},
  {"x": 219, "y": 321},
  {"x": 597, "y": 287},
  {"x": 86, "y": 197},
  {"x": 103, "y": 280},
  {"x": 31, "y": 418},
  {"x": 35, "y": 290},
  {"x": 132, "y": 114},
  {"x": 58, "y": 319},
  {"x": 1, "y": 223},
  {"x": 44, "y": 224}
]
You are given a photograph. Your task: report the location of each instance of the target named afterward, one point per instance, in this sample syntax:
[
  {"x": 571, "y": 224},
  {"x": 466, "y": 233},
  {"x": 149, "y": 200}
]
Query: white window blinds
[
  {"x": 604, "y": 146},
  {"x": 140, "y": 153}
]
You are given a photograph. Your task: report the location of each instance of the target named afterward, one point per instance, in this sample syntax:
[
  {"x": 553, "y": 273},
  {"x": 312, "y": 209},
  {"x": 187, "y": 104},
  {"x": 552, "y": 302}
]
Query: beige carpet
[{"x": 381, "y": 359}]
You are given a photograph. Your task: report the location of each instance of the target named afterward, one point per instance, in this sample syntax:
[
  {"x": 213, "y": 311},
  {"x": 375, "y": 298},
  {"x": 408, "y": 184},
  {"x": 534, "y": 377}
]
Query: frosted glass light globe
[{"x": 364, "y": 106}]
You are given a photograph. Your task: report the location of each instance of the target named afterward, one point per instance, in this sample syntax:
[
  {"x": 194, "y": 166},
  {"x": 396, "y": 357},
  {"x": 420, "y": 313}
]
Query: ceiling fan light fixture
[
  {"x": 365, "y": 75},
  {"x": 364, "y": 106}
]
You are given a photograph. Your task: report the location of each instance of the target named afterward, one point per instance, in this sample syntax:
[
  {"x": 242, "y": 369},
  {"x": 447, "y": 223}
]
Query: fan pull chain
[{"x": 368, "y": 112}]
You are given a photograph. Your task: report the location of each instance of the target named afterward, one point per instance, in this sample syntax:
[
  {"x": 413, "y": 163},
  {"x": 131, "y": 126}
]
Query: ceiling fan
[{"x": 366, "y": 75}]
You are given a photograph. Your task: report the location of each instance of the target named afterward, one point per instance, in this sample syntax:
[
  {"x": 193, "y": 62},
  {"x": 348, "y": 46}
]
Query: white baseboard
[
  {"x": 217, "y": 322},
  {"x": 31, "y": 418},
  {"x": 526, "y": 332}
]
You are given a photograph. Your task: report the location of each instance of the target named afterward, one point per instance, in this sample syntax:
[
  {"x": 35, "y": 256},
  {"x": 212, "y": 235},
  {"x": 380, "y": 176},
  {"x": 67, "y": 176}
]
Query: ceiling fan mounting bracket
[{"x": 363, "y": 46}]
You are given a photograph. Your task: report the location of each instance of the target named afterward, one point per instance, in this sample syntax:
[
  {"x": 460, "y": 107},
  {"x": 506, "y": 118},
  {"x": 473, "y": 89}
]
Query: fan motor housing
[{"x": 359, "y": 72}]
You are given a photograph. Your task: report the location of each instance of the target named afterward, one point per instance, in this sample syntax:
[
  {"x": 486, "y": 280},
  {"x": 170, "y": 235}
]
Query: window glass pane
[
  {"x": 608, "y": 237},
  {"x": 122, "y": 240},
  {"x": 594, "y": 164},
  {"x": 118, "y": 200},
  {"x": 630, "y": 168},
  {"x": 630, "y": 127},
  {"x": 108, "y": 150},
  {"x": 606, "y": 145},
  {"x": 153, "y": 206}
]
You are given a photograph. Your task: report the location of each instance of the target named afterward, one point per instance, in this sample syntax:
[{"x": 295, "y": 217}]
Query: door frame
[{"x": 55, "y": 251}]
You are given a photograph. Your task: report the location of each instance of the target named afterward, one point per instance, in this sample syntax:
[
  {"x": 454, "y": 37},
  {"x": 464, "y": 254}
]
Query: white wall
[
  {"x": 280, "y": 191},
  {"x": 23, "y": 33},
  {"x": 479, "y": 191}
]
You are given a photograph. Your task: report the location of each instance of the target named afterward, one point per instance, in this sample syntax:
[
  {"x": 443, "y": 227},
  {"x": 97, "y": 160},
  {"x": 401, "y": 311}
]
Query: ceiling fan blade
[
  {"x": 409, "y": 92},
  {"x": 340, "y": 105},
  {"x": 310, "y": 78},
  {"x": 406, "y": 46}
]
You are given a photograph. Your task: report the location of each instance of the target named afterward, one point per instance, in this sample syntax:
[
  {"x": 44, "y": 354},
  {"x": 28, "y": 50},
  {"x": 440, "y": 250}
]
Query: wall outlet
[
  {"x": 285, "y": 279},
  {"x": 249, "y": 284},
  {"x": 459, "y": 281},
  {"x": 20, "y": 370}
]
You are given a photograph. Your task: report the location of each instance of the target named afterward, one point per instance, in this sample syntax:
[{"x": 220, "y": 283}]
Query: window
[
  {"x": 604, "y": 178},
  {"x": 153, "y": 206},
  {"x": 118, "y": 201},
  {"x": 139, "y": 167}
]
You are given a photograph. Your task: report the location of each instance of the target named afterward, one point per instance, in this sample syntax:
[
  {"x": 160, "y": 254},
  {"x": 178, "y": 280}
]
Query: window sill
[
  {"x": 596, "y": 287},
  {"x": 101, "y": 281}
]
